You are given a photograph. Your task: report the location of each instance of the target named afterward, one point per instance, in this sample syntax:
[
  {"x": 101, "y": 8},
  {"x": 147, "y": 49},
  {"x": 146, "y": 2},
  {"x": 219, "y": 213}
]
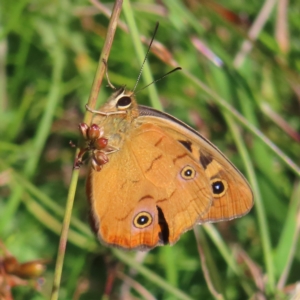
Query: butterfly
[{"x": 153, "y": 177}]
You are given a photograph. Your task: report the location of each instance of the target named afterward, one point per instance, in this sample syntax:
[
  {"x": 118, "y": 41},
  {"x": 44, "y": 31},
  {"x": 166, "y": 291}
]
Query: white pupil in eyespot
[
  {"x": 188, "y": 173},
  {"x": 218, "y": 187},
  {"x": 142, "y": 220}
]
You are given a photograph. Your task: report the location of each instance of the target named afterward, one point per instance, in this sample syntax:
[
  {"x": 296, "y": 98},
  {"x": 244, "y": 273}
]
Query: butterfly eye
[
  {"x": 219, "y": 187},
  {"x": 124, "y": 102},
  {"x": 142, "y": 220},
  {"x": 188, "y": 173}
]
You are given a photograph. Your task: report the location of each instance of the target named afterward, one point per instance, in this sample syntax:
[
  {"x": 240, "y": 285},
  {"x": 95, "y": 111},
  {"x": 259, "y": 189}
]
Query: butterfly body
[
  {"x": 162, "y": 179},
  {"x": 117, "y": 126}
]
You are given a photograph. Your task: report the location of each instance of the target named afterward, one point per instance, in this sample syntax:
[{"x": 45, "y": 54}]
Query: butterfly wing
[
  {"x": 150, "y": 192},
  {"x": 165, "y": 179},
  {"x": 231, "y": 193}
]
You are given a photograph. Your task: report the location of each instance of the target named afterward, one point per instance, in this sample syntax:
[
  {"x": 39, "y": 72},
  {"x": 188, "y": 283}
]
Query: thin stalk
[{"x": 91, "y": 103}]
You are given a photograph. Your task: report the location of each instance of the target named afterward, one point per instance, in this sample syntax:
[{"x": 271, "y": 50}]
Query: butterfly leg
[
  {"x": 102, "y": 113},
  {"x": 106, "y": 74}
]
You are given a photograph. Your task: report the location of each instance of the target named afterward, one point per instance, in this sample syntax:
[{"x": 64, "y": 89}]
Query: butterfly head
[{"x": 120, "y": 100}]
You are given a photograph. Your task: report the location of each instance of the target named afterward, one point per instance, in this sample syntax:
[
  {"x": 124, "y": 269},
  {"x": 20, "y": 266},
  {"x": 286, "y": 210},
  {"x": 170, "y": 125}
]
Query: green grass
[{"x": 48, "y": 58}]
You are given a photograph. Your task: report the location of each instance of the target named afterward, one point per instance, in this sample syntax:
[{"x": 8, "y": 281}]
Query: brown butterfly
[{"x": 152, "y": 177}]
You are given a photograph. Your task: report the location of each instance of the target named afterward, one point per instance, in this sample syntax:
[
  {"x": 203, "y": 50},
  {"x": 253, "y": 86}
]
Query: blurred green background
[{"x": 48, "y": 58}]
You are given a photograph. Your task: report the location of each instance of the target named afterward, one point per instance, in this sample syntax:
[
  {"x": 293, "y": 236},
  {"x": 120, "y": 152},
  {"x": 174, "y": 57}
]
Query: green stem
[{"x": 92, "y": 101}]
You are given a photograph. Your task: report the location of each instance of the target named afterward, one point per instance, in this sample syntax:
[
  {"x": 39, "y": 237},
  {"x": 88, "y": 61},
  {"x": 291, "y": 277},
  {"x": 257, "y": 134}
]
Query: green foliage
[{"x": 49, "y": 52}]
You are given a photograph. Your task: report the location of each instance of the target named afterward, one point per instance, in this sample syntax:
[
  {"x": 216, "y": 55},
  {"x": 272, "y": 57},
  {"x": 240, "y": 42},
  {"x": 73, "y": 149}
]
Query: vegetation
[{"x": 247, "y": 102}]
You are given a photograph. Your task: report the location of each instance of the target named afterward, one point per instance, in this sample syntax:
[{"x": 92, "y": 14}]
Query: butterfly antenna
[
  {"x": 154, "y": 81},
  {"x": 146, "y": 56}
]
